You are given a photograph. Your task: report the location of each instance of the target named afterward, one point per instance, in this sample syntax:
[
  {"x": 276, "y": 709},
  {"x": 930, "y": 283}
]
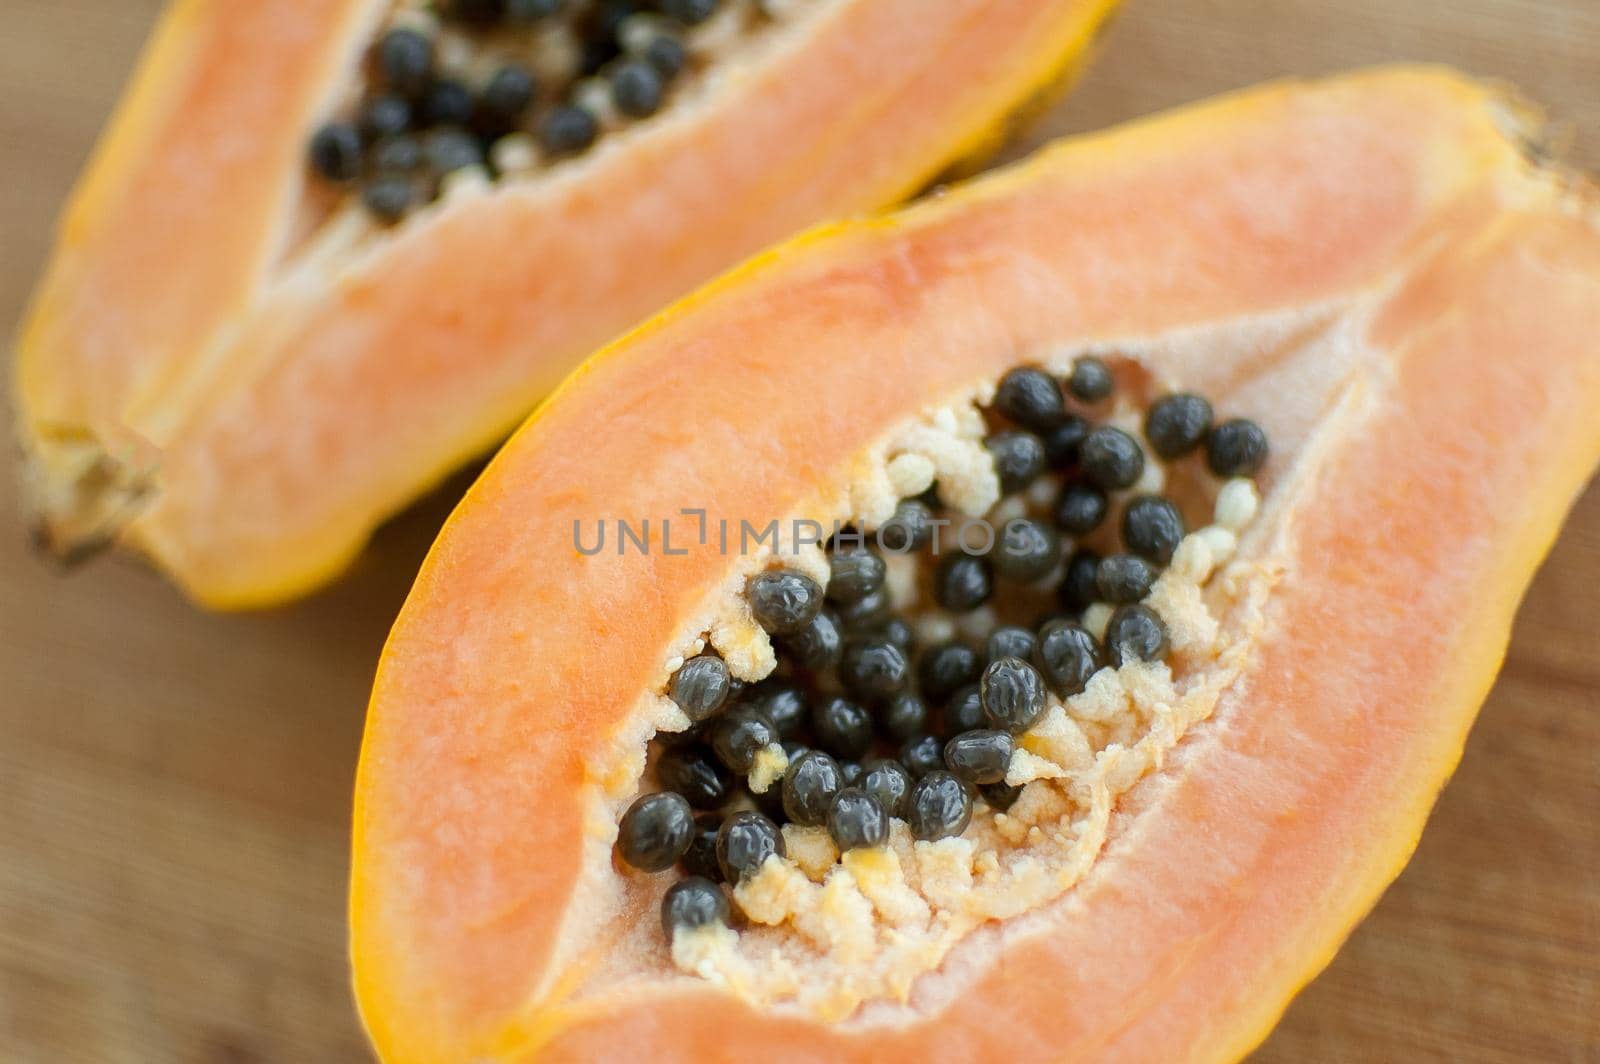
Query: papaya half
[
  {"x": 329, "y": 250},
  {"x": 1302, "y": 382}
]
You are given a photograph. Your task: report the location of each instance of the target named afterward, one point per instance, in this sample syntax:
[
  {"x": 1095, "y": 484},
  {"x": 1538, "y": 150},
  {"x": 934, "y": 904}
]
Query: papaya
[
  {"x": 689, "y": 743},
  {"x": 328, "y": 251}
]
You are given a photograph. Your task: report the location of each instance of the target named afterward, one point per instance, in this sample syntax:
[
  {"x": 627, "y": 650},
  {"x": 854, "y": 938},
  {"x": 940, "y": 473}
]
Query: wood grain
[{"x": 174, "y": 786}]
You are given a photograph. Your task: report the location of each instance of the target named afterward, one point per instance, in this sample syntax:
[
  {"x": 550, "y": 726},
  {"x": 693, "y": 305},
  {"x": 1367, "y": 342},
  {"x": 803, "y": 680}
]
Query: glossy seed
[
  {"x": 1111, "y": 458},
  {"x": 1080, "y": 584},
  {"x": 785, "y": 705},
  {"x": 1177, "y": 424},
  {"x": 962, "y": 583},
  {"x": 667, "y": 54},
  {"x": 405, "y": 59},
  {"x": 981, "y": 756},
  {"x": 946, "y": 667},
  {"x": 447, "y": 103},
  {"x": 873, "y": 670},
  {"x": 693, "y": 772},
  {"x": 1061, "y": 442},
  {"x": 739, "y": 735},
  {"x": 387, "y": 197},
  {"x": 898, "y": 632},
  {"x": 850, "y": 772},
  {"x": 1025, "y": 551},
  {"x": 336, "y": 152},
  {"x": 387, "y": 115},
  {"x": 922, "y": 755},
  {"x": 905, "y": 715},
  {"x": 1013, "y": 695},
  {"x": 1000, "y": 796},
  {"x": 938, "y": 807},
  {"x": 868, "y": 615},
  {"x": 1081, "y": 508},
  {"x": 909, "y": 528},
  {"x": 508, "y": 95},
  {"x": 1236, "y": 448},
  {"x": 809, "y": 785},
  {"x": 700, "y": 859},
  {"x": 819, "y": 645},
  {"x": 527, "y": 12},
  {"x": 1152, "y": 528},
  {"x": 965, "y": 710},
  {"x": 1010, "y": 641},
  {"x": 655, "y": 831},
  {"x": 1135, "y": 633},
  {"x": 1124, "y": 578},
  {"x": 689, "y": 12},
  {"x": 1090, "y": 380},
  {"x": 843, "y": 728},
  {"x": 700, "y": 686},
  {"x": 693, "y": 903},
  {"x": 1031, "y": 398},
  {"x": 636, "y": 88},
  {"x": 854, "y": 574},
  {"x": 568, "y": 128},
  {"x": 889, "y": 782},
  {"x": 857, "y": 820},
  {"x": 1018, "y": 458},
  {"x": 1067, "y": 656},
  {"x": 783, "y": 601},
  {"x": 745, "y": 841}
]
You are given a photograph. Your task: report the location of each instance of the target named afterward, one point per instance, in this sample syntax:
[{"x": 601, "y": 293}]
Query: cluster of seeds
[
  {"x": 497, "y": 87},
  {"x": 867, "y": 718}
]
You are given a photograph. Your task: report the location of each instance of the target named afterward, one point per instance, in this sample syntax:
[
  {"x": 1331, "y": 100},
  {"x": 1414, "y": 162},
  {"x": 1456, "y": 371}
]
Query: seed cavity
[
  {"x": 945, "y": 724},
  {"x": 515, "y": 86}
]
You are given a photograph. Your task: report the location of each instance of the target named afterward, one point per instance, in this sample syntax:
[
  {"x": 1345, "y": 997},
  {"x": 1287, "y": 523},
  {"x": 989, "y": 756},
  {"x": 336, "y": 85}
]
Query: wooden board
[{"x": 174, "y": 786}]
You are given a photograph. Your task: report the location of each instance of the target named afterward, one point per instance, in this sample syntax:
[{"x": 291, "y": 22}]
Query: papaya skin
[
  {"x": 1414, "y": 251},
  {"x": 193, "y": 422}
]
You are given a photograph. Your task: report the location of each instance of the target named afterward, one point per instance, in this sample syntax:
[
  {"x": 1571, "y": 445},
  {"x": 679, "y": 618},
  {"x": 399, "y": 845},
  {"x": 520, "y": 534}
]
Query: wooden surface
[{"x": 174, "y": 786}]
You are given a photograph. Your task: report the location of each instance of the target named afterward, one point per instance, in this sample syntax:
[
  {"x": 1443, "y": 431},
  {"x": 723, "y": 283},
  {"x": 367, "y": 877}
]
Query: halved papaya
[
  {"x": 329, "y": 251},
  {"x": 1369, "y": 283}
]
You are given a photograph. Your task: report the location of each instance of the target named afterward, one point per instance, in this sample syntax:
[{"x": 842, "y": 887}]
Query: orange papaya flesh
[
  {"x": 238, "y": 374},
  {"x": 1370, "y": 266}
]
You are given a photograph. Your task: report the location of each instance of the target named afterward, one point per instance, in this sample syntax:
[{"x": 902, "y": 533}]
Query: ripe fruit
[
  {"x": 1205, "y": 797},
  {"x": 344, "y": 335}
]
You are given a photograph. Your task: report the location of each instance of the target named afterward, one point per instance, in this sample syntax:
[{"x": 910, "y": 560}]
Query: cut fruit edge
[
  {"x": 1408, "y": 220},
  {"x": 202, "y": 411}
]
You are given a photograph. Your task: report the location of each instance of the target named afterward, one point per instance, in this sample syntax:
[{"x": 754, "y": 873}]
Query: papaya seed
[{"x": 906, "y": 696}]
